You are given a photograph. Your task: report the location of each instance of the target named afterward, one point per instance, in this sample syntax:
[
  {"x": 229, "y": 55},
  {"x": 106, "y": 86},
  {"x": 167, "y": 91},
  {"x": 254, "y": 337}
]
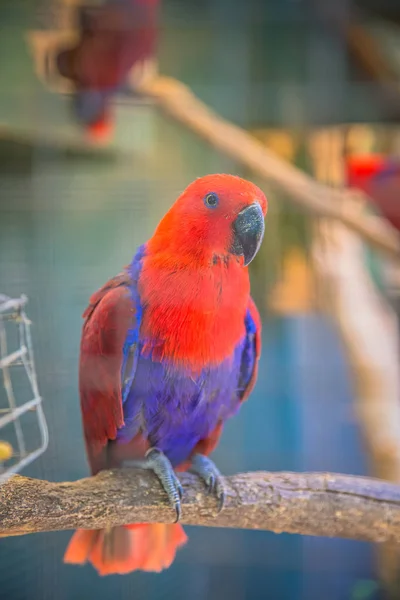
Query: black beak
[{"x": 248, "y": 232}]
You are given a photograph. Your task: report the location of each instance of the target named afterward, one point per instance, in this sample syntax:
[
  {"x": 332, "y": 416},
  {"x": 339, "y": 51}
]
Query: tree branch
[
  {"x": 319, "y": 504},
  {"x": 179, "y": 102}
]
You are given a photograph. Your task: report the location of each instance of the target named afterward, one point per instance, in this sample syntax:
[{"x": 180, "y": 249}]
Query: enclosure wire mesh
[{"x": 12, "y": 314}]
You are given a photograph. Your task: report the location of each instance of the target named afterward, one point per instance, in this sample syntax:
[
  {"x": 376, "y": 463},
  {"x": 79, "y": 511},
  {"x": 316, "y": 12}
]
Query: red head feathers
[
  {"x": 195, "y": 271},
  {"x": 204, "y": 222}
]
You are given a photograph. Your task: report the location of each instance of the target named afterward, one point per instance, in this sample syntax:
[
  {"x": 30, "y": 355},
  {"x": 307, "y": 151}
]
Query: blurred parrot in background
[
  {"x": 117, "y": 43},
  {"x": 169, "y": 352},
  {"x": 379, "y": 177}
]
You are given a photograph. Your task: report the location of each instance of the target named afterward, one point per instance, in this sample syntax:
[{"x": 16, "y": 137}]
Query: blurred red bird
[
  {"x": 169, "y": 352},
  {"x": 379, "y": 177},
  {"x": 117, "y": 42}
]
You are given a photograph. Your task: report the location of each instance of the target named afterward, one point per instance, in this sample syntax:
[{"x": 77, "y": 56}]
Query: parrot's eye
[{"x": 211, "y": 200}]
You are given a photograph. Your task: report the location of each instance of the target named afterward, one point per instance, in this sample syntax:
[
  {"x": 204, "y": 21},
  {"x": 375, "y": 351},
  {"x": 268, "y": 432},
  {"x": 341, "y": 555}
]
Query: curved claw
[
  {"x": 156, "y": 461},
  {"x": 178, "y": 511},
  {"x": 208, "y": 472},
  {"x": 211, "y": 484},
  {"x": 180, "y": 489},
  {"x": 220, "y": 493}
]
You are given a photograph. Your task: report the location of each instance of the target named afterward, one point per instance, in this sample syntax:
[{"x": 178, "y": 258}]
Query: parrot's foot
[
  {"x": 156, "y": 461},
  {"x": 208, "y": 472}
]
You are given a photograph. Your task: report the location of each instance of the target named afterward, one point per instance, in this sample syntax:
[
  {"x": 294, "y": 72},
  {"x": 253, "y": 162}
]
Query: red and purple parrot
[
  {"x": 115, "y": 38},
  {"x": 169, "y": 352}
]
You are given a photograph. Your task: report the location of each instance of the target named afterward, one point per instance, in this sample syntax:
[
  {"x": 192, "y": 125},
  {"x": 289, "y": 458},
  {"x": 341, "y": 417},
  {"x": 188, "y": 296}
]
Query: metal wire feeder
[{"x": 12, "y": 311}]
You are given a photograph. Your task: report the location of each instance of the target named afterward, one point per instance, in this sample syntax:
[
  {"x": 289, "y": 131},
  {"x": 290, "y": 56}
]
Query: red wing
[
  {"x": 252, "y": 351},
  {"x": 109, "y": 316}
]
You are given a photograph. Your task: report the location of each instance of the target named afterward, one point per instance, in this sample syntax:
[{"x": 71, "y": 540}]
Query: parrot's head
[{"x": 216, "y": 217}]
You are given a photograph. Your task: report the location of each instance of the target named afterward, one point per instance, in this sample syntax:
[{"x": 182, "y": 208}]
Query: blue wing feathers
[{"x": 249, "y": 355}]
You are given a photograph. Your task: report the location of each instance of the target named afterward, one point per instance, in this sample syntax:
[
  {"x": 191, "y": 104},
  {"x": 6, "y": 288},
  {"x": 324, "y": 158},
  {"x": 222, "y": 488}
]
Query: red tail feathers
[
  {"x": 100, "y": 132},
  {"x": 147, "y": 547}
]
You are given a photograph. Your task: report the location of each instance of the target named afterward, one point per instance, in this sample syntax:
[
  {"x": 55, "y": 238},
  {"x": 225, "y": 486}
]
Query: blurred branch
[
  {"x": 319, "y": 504},
  {"x": 370, "y": 53},
  {"x": 178, "y": 101},
  {"x": 368, "y": 326},
  {"x": 369, "y": 332},
  {"x": 64, "y": 144}
]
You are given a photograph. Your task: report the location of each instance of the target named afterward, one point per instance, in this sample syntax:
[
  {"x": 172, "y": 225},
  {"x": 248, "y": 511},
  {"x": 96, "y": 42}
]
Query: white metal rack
[{"x": 12, "y": 314}]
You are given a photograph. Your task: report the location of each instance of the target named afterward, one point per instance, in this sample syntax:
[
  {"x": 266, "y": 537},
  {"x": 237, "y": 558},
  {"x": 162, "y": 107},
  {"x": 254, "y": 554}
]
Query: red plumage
[
  {"x": 194, "y": 296},
  {"x": 379, "y": 177},
  {"x": 107, "y": 319}
]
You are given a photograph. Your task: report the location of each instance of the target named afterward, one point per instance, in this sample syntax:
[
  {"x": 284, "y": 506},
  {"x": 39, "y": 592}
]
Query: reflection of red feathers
[{"x": 379, "y": 177}]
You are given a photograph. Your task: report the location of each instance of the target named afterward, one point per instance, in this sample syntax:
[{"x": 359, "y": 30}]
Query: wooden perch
[
  {"x": 178, "y": 101},
  {"x": 319, "y": 504}
]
